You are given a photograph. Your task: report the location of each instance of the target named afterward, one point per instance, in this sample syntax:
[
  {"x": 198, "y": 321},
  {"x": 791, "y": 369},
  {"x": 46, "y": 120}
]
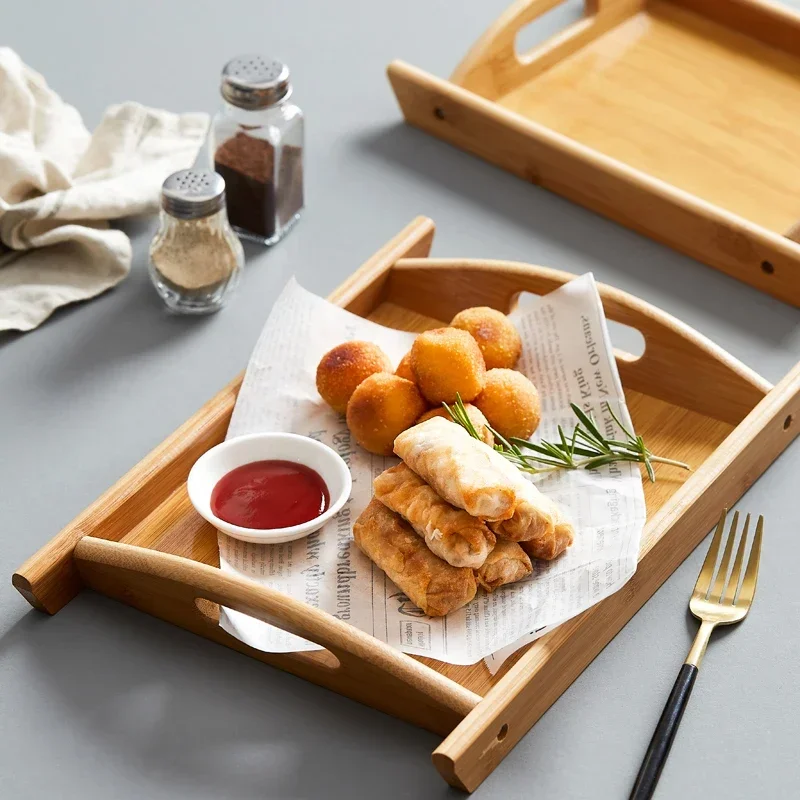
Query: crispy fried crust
[
  {"x": 507, "y": 563},
  {"x": 435, "y": 586},
  {"x": 465, "y": 472},
  {"x": 450, "y": 533}
]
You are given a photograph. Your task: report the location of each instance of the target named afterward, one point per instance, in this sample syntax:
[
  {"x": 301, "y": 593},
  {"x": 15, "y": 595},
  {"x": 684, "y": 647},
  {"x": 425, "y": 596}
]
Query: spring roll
[
  {"x": 507, "y": 563},
  {"x": 534, "y": 517},
  {"x": 432, "y": 584},
  {"x": 450, "y": 533},
  {"x": 467, "y": 473},
  {"x": 552, "y": 546}
]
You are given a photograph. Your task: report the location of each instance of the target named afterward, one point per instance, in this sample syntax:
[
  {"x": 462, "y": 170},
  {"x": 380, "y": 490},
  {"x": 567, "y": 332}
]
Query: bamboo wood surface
[
  {"x": 48, "y": 580},
  {"x": 493, "y": 67},
  {"x": 482, "y": 740},
  {"x": 711, "y": 382},
  {"x": 161, "y": 535},
  {"x": 372, "y": 670},
  {"x": 704, "y": 108},
  {"x": 771, "y": 23},
  {"x": 676, "y": 119},
  {"x": 176, "y": 528}
]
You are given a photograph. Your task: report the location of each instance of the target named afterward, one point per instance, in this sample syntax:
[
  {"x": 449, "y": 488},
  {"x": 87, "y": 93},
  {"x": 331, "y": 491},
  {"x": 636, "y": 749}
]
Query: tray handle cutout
[
  {"x": 678, "y": 364},
  {"x": 493, "y": 67},
  {"x": 184, "y": 591}
]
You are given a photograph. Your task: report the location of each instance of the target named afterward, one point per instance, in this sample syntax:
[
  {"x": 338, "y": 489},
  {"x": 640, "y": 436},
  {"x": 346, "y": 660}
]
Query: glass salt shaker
[
  {"x": 256, "y": 144},
  {"x": 195, "y": 257}
]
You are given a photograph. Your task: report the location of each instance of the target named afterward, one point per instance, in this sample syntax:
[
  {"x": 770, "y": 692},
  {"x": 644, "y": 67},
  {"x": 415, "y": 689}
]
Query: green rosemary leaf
[
  {"x": 618, "y": 421},
  {"x": 586, "y": 441},
  {"x": 588, "y": 423}
]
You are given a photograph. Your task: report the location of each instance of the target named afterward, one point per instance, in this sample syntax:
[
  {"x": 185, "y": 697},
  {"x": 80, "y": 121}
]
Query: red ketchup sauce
[{"x": 269, "y": 494}]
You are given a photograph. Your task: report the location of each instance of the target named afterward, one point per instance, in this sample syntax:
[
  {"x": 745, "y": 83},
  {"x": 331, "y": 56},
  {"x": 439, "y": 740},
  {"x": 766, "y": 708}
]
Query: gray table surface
[{"x": 104, "y": 702}]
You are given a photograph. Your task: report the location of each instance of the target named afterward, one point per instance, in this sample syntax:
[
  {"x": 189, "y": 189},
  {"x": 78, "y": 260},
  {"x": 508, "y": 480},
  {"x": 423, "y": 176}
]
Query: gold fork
[{"x": 724, "y": 602}]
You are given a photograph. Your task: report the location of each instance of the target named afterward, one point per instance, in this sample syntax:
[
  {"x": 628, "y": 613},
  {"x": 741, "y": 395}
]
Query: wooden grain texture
[
  {"x": 550, "y": 664},
  {"x": 493, "y": 67},
  {"x": 48, "y": 580},
  {"x": 628, "y": 91},
  {"x": 710, "y": 381},
  {"x": 704, "y": 108},
  {"x": 770, "y": 23},
  {"x": 667, "y": 428},
  {"x": 364, "y": 668},
  {"x": 176, "y": 528},
  {"x": 164, "y": 564}
]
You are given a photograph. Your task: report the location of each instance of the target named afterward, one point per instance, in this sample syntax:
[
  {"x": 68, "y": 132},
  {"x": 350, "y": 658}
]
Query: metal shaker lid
[
  {"x": 253, "y": 82},
  {"x": 193, "y": 193}
]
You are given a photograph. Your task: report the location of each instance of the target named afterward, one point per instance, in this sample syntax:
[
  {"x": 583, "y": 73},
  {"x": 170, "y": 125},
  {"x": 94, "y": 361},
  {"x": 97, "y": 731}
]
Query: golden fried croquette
[
  {"x": 447, "y": 362},
  {"x": 510, "y": 402},
  {"x": 381, "y": 408},
  {"x": 495, "y": 334},
  {"x": 342, "y": 369},
  {"x": 473, "y": 412},
  {"x": 404, "y": 369}
]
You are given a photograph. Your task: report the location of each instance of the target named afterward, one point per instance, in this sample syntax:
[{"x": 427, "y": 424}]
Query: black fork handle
[{"x": 664, "y": 735}]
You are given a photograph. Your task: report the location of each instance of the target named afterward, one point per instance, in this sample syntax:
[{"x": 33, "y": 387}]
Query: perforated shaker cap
[
  {"x": 193, "y": 193},
  {"x": 253, "y": 81}
]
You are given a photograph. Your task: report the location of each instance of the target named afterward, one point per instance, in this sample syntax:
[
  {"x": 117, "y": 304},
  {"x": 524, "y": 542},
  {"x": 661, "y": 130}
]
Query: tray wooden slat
[
  {"x": 160, "y": 555},
  {"x": 676, "y": 118}
]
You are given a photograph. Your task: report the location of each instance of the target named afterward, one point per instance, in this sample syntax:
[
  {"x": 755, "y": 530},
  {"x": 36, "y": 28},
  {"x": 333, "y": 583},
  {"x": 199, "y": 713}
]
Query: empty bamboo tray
[
  {"x": 677, "y": 118},
  {"x": 143, "y": 543}
]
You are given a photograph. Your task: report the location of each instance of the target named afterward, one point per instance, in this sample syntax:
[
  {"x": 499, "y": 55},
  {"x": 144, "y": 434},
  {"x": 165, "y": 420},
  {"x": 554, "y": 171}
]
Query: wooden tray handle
[
  {"x": 678, "y": 364},
  {"x": 493, "y": 66},
  {"x": 187, "y": 583}
]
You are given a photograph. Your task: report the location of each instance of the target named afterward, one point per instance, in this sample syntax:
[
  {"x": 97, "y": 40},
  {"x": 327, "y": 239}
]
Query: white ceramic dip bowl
[{"x": 226, "y": 456}]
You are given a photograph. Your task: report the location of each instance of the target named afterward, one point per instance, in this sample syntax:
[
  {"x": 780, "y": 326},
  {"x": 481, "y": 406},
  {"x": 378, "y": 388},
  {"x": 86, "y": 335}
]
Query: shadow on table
[
  {"x": 550, "y": 217},
  {"x": 187, "y": 712}
]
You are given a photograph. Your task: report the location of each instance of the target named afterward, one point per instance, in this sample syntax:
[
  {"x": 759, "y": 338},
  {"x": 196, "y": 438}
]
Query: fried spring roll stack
[
  {"x": 552, "y": 545},
  {"x": 467, "y": 473},
  {"x": 507, "y": 563},
  {"x": 451, "y": 533},
  {"x": 534, "y": 519},
  {"x": 432, "y": 584}
]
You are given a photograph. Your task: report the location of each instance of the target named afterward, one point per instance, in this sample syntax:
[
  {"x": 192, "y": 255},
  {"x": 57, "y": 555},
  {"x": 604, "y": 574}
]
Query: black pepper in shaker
[{"x": 256, "y": 144}]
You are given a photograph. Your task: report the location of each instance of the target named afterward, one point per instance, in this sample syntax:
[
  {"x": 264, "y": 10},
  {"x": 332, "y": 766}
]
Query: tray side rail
[
  {"x": 721, "y": 239},
  {"x": 552, "y": 663},
  {"x": 48, "y": 580},
  {"x": 678, "y": 365},
  {"x": 353, "y": 663},
  {"x": 493, "y": 67}
]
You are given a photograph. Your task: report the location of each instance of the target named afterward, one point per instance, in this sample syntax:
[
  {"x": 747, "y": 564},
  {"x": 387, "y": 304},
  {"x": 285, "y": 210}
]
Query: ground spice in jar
[
  {"x": 195, "y": 255},
  {"x": 260, "y": 197}
]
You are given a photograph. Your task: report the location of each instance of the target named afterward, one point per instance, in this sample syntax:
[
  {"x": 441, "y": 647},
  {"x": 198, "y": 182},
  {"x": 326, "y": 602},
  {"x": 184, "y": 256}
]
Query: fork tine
[
  {"x": 736, "y": 572},
  {"x": 707, "y": 570},
  {"x": 722, "y": 573},
  {"x": 748, "y": 589}
]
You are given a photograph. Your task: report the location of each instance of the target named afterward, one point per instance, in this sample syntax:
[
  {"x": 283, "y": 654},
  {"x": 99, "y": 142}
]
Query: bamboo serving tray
[
  {"x": 143, "y": 543},
  {"x": 676, "y": 118}
]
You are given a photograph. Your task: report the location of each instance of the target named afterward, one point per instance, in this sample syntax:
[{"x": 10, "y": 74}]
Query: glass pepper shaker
[
  {"x": 256, "y": 144},
  {"x": 195, "y": 257}
]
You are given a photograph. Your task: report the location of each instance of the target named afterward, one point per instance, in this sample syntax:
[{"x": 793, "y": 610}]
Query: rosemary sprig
[{"x": 585, "y": 448}]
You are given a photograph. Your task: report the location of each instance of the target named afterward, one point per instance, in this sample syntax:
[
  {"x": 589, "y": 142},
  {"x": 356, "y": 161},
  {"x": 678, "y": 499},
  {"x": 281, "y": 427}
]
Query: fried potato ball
[
  {"x": 342, "y": 369},
  {"x": 404, "y": 368},
  {"x": 495, "y": 334},
  {"x": 381, "y": 408},
  {"x": 447, "y": 362},
  {"x": 510, "y": 402},
  {"x": 475, "y": 416}
]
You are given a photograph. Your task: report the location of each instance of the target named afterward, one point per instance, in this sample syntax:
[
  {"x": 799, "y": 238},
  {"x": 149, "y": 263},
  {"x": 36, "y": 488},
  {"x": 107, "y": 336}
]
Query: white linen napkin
[{"x": 59, "y": 186}]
